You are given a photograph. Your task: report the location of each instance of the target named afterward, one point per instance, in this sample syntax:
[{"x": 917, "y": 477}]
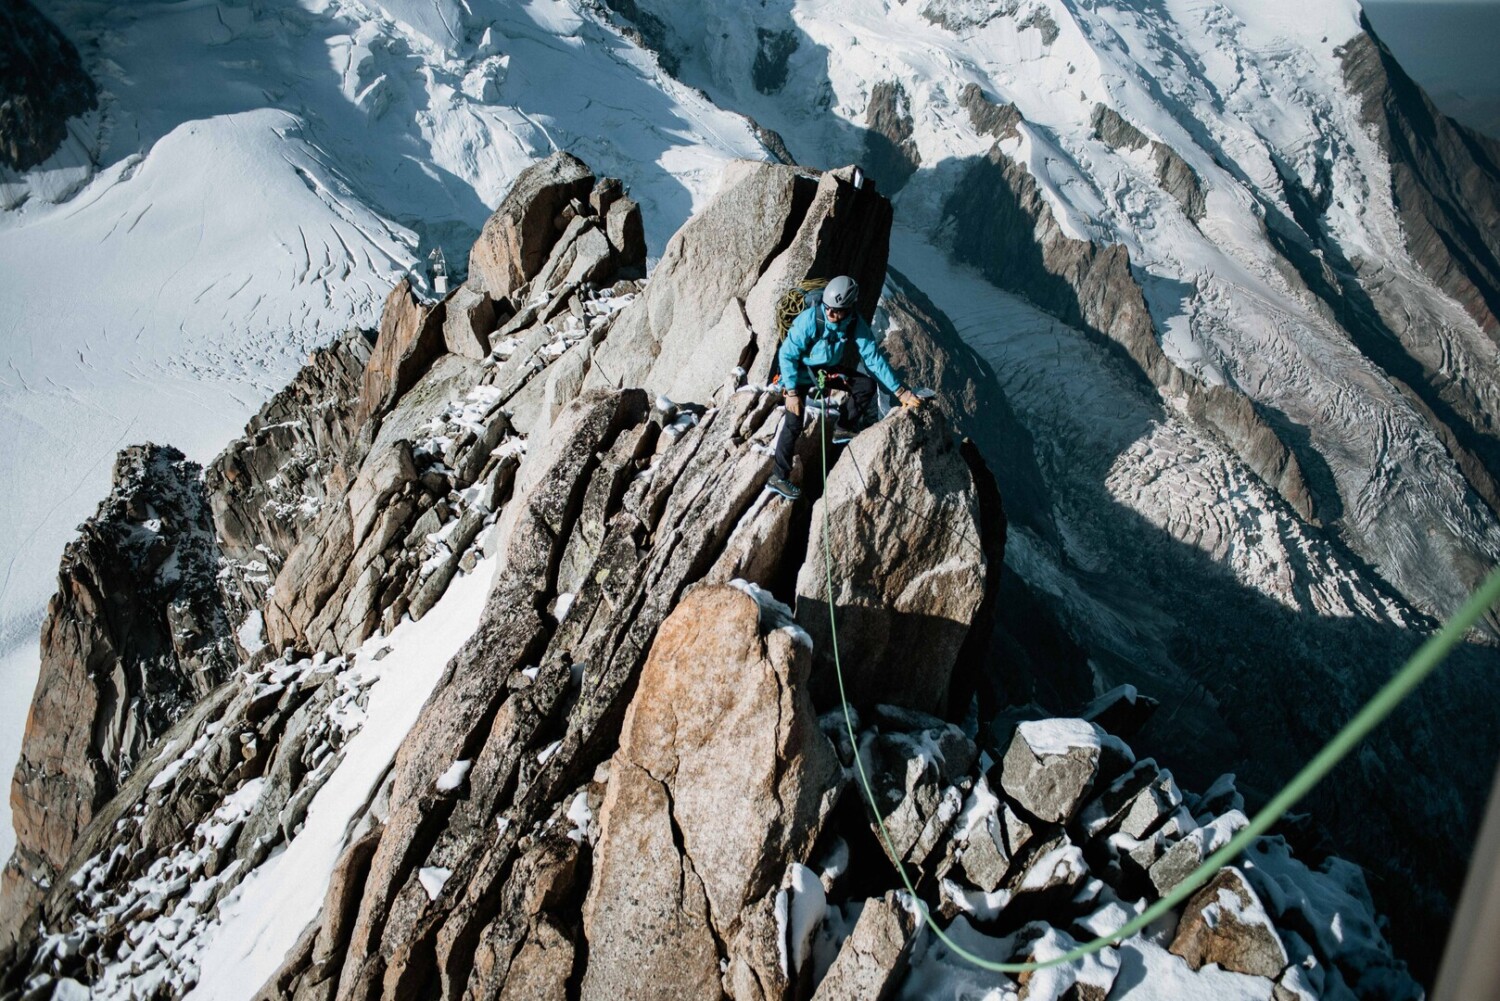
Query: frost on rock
[
  {"x": 581, "y": 817},
  {"x": 252, "y": 633},
  {"x": 808, "y": 905},
  {"x": 453, "y": 778},
  {"x": 433, "y": 879},
  {"x": 1051, "y": 765},
  {"x": 774, "y": 614}
]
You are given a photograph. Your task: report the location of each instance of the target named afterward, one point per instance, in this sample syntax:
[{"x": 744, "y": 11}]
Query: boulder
[
  {"x": 986, "y": 859},
  {"x": 411, "y": 336},
  {"x": 872, "y": 960},
  {"x": 710, "y": 306},
  {"x": 715, "y": 259},
  {"x": 518, "y": 237},
  {"x": 903, "y": 599},
  {"x": 1134, "y": 804},
  {"x": 994, "y": 837},
  {"x": 467, "y": 321},
  {"x": 137, "y": 632},
  {"x": 593, "y": 259},
  {"x": 722, "y": 775},
  {"x": 627, "y": 236},
  {"x": 1224, "y": 923},
  {"x": 1051, "y": 765},
  {"x": 1053, "y": 871},
  {"x": 1183, "y": 856},
  {"x": 607, "y": 191}
]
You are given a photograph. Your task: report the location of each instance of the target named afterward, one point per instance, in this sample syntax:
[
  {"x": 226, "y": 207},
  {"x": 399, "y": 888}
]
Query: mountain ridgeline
[{"x": 512, "y": 681}]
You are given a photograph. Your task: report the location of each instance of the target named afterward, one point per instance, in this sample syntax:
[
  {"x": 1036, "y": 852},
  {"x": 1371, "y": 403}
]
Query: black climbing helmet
[{"x": 841, "y": 293}]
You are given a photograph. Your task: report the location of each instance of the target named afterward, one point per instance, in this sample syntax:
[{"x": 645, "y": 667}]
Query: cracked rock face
[
  {"x": 269, "y": 486},
  {"x": 410, "y": 338},
  {"x": 519, "y": 235},
  {"x": 903, "y": 600},
  {"x": 710, "y": 307},
  {"x": 721, "y": 775},
  {"x": 136, "y": 634}
]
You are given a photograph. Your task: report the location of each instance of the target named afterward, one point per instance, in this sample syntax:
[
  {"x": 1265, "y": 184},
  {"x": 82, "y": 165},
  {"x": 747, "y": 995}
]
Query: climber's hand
[
  {"x": 908, "y": 398},
  {"x": 794, "y": 403}
]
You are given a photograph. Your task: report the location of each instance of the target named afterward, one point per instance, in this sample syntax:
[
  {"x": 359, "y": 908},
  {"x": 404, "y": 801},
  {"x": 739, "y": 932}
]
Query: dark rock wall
[
  {"x": 1445, "y": 181},
  {"x": 891, "y": 154},
  {"x": 42, "y": 85},
  {"x": 268, "y": 486}
]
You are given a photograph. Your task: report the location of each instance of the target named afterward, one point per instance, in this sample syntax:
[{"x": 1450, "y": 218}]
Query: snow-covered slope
[{"x": 257, "y": 177}]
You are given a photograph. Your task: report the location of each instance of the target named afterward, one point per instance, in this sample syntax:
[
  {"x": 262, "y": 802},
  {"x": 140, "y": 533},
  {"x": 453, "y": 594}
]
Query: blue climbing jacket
[{"x": 817, "y": 342}]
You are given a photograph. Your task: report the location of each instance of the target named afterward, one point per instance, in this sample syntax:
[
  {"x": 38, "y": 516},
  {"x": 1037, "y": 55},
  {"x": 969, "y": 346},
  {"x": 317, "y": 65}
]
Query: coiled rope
[{"x": 1422, "y": 663}]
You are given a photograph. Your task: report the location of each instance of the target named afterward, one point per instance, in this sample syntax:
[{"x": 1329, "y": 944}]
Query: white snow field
[{"x": 256, "y": 179}]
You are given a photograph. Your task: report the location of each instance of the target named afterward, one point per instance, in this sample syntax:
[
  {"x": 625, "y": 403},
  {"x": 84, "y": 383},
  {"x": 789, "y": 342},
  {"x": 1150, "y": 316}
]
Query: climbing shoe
[
  {"x": 843, "y": 433},
  {"x": 777, "y": 485}
]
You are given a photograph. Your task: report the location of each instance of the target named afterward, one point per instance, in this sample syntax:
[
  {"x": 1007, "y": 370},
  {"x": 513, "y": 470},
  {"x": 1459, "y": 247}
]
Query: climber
[{"x": 823, "y": 339}]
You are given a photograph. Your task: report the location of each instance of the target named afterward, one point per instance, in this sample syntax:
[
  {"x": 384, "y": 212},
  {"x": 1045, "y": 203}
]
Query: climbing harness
[{"x": 1422, "y": 663}]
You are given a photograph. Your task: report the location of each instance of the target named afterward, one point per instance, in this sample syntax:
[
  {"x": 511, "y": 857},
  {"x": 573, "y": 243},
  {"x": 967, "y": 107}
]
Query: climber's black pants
[{"x": 861, "y": 394}]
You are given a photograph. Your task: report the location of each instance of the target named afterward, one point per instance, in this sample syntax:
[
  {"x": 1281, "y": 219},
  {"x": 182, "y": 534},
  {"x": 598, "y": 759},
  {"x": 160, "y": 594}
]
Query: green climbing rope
[{"x": 1421, "y": 664}]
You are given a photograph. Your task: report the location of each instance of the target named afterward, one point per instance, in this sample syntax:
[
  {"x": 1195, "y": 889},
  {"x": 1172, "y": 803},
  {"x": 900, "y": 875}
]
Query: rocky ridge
[
  {"x": 586, "y": 794},
  {"x": 137, "y": 634},
  {"x": 1274, "y": 373}
]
